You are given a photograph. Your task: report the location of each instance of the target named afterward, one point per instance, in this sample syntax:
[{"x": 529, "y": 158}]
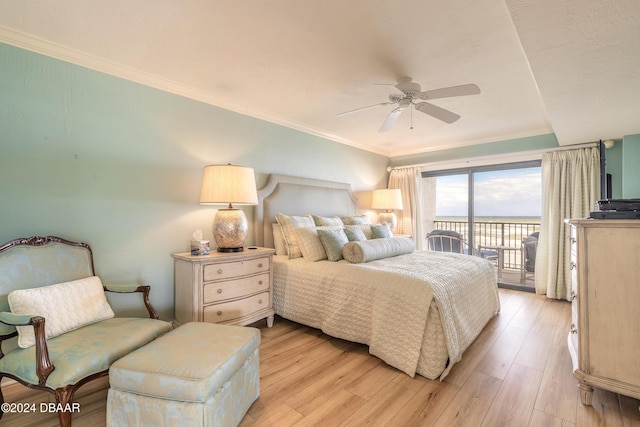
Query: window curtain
[
  {"x": 570, "y": 189},
  {"x": 409, "y": 181}
]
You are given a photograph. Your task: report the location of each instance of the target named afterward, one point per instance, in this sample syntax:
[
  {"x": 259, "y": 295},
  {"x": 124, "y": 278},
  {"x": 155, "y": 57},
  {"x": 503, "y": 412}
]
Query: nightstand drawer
[
  {"x": 234, "y": 269},
  {"x": 237, "y": 285},
  {"x": 220, "y": 291},
  {"x": 232, "y": 310}
]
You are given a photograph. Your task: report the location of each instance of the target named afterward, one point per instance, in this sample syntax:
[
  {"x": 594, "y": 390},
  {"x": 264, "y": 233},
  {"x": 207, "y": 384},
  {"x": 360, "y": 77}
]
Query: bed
[{"x": 417, "y": 311}]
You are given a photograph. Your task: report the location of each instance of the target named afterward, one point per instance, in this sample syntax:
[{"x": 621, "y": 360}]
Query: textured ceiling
[{"x": 569, "y": 67}]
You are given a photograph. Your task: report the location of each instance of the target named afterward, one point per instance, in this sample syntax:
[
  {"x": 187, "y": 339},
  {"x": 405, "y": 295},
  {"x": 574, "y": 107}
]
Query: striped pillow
[{"x": 287, "y": 224}]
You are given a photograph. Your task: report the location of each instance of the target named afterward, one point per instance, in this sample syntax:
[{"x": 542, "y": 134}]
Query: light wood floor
[{"x": 517, "y": 373}]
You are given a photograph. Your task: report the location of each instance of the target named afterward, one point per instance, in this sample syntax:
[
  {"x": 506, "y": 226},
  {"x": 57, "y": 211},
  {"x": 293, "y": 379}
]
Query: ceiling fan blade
[
  {"x": 391, "y": 119},
  {"x": 437, "y": 112},
  {"x": 363, "y": 108},
  {"x": 447, "y": 92}
]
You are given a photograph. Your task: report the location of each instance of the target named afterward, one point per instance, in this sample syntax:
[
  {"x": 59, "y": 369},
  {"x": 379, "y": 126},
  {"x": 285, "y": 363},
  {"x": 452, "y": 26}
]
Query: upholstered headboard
[{"x": 299, "y": 196}]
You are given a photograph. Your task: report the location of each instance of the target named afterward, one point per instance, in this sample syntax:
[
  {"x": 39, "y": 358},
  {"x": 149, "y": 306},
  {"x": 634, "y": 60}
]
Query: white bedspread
[{"x": 387, "y": 304}]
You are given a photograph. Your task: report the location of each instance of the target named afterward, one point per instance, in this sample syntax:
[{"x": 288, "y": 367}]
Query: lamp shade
[
  {"x": 228, "y": 184},
  {"x": 387, "y": 199}
]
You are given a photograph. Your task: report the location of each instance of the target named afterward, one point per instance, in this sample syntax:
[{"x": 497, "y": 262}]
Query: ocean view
[{"x": 506, "y": 219}]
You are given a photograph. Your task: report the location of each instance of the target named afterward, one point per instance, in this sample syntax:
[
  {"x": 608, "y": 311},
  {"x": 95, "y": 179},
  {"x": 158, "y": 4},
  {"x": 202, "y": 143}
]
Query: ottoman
[{"x": 200, "y": 374}]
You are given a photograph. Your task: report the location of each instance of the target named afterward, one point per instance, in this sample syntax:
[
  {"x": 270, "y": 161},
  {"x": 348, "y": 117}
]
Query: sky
[{"x": 515, "y": 192}]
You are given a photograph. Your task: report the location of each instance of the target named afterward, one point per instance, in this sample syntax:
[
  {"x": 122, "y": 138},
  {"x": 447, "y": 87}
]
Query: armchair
[{"x": 76, "y": 354}]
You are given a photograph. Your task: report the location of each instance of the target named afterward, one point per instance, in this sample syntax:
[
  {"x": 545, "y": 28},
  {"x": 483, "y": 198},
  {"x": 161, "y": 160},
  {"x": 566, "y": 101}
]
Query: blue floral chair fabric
[{"x": 199, "y": 374}]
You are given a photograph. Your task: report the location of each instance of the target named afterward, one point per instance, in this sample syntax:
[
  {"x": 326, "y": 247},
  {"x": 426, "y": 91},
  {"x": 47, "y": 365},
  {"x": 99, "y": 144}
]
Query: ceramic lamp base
[
  {"x": 388, "y": 218},
  {"x": 230, "y": 229}
]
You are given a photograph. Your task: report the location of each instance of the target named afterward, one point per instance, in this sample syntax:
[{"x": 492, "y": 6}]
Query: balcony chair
[
  {"x": 452, "y": 241},
  {"x": 447, "y": 241},
  {"x": 528, "y": 252}
]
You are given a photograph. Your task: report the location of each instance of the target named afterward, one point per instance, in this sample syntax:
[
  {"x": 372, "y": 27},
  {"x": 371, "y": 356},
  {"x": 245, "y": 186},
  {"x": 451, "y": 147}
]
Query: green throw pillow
[
  {"x": 333, "y": 242},
  {"x": 381, "y": 231},
  {"x": 355, "y": 234}
]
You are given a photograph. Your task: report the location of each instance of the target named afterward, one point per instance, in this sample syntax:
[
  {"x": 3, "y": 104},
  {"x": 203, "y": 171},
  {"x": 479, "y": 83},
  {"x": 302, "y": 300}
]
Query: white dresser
[
  {"x": 231, "y": 288},
  {"x": 604, "y": 340}
]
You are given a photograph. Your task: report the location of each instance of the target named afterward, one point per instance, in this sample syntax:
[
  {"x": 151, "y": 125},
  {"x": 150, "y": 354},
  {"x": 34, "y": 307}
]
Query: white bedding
[{"x": 418, "y": 312}]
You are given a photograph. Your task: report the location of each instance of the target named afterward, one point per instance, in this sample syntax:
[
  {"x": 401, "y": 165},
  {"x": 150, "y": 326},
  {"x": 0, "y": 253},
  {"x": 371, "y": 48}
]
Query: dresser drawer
[
  {"x": 229, "y": 289},
  {"x": 232, "y": 310},
  {"x": 234, "y": 269}
]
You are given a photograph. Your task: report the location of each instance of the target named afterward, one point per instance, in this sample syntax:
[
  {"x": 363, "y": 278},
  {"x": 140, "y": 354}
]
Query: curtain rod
[
  {"x": 498, "y": 156},
  {"x": 572, "y": 147}
]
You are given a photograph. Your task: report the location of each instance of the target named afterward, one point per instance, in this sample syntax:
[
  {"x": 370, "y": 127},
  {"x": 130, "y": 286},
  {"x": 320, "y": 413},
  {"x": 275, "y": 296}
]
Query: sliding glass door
[
  {"x": 495, "y": 209},
  {"x": 452, "y": 203}
]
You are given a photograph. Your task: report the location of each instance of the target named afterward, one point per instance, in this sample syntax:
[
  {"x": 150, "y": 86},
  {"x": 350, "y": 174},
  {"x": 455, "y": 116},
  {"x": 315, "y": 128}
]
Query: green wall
[
  {"x": 631, "y": 167},
  {"x": 94, "y": 158},
  {"x": 622, "y": 163},
  {"x": 614, "y": 167}
]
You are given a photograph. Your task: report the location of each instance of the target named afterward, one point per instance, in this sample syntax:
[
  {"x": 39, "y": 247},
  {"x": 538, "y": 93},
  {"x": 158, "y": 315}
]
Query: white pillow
[
  {"x": 65, "y": 307},
  {"x": 356, "y": 219},
  {"x": 278, "y": 239},
  {"x": 287, "y": 224},
  {"x": 371, "y": 250},
  {"x": 327, "y": 221}
]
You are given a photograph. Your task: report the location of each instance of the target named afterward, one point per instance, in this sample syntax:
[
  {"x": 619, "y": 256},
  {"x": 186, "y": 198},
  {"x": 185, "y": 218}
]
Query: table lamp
[
  {"x": 229, "y": 185},
  {"x": 387, "y": 199}
]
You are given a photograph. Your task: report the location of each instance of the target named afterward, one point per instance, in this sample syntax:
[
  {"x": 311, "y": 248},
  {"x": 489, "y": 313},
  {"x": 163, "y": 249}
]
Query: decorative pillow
[
  {"x": 356, "y": 219},
  {"x": 278, "y": 239},
  {"x": 354, "y": 234},
  {"x": 333, "y": 242},
  {"x": 381, "y": 231},
  {"x": 309, "y": 242},
  {"x": 326, "y": 220},
  {"x": 370, "y": 250},
  {"x": 65, "y": 307},
  {"x": 365, "y": 228},
  {"x": 287, "y": 224}
]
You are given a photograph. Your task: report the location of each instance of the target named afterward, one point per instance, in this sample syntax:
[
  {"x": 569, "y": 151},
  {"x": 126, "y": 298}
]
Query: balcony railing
[{"x": 508, "y": 235}]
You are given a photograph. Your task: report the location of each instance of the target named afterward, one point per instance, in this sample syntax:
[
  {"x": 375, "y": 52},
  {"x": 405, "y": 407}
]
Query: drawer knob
[
  {"x": 259, "y": 282},
  {"x": 574, "y": 330},
  {"x": 573, "y": 296},
  {"x": 219, "y": 271},
  {"x": 219, "y": 291},
  {"x": 260, "y": 265},
  {"x": 259, "y": 301},
  {"x": 219, "y": 313}
]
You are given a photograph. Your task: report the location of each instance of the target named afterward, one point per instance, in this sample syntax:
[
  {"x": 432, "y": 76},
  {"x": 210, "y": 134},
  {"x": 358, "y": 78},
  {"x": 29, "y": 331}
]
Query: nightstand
[{"x": 230, "y": 288}]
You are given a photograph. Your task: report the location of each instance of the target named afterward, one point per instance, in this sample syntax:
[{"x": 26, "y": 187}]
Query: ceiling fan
[{"x": 409, "y": 96}]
